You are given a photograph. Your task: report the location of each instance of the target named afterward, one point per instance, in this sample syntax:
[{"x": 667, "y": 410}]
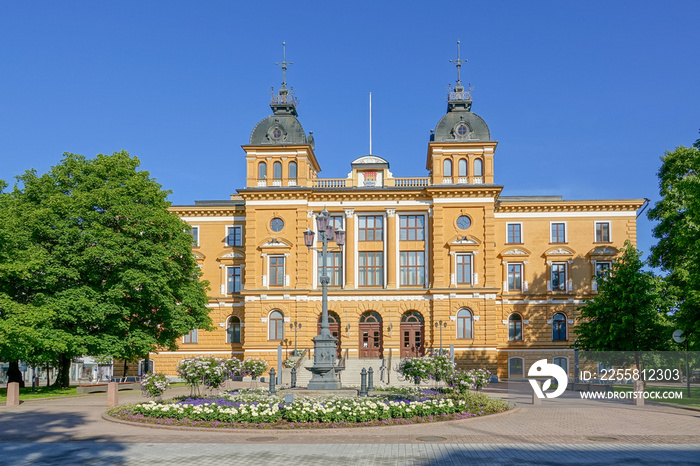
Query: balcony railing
[
  {"x": 330, "y": 183},
  {"x": 412, "y": 182}
]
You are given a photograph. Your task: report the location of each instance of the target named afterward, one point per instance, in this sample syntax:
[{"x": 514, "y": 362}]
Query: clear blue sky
[{"x": 583, "y": 97}]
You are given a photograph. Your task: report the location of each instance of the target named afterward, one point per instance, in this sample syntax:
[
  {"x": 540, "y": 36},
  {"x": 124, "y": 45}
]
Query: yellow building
[{"x": 429, "y": 261}]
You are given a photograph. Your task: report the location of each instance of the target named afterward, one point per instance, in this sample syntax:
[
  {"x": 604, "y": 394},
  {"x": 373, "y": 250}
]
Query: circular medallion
[
  {"x": 276, "y": 133},
  {"x": 463, "y": 222},
  {"x": 462, "y": 130},
  {"x": 276, "y": 224}
]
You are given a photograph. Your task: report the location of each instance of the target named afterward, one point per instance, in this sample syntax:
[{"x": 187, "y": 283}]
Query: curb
[{"x": 108, "y": 418}]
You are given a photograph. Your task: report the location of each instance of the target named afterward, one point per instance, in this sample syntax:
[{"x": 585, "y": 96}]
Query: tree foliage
[
  {"x": 678, "y": 232},
  {"x": 93, "y": 263},
  {"x": 629, "y": 311}
]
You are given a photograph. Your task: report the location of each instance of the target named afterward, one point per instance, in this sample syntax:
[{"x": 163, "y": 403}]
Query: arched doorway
[
  {"x": 334, "y": 327},
  {"x": 371, "y": 344},
  {"x": 412, "y": 331}
]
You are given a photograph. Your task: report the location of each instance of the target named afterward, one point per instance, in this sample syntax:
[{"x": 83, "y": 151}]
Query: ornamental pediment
[
  {"x": 231, "y": 255},
  {"x": 514, "y": 252},
  {"x": 603, "y": 251},
  {"x": 560, "y": 251}
]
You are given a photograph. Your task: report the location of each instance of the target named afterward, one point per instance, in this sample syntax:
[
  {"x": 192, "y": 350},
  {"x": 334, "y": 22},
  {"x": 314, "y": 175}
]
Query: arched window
[
  {"x": 233, "y": 330},
  {"x": 292, "y": 170},
  {"x": 447, "y": 167},
  {"x": 412, "y": 317},
  {"x": 462, "y": 167},
  {"x": 464, "y": 324},
  {"x": 515, "y": 327},
  {"x": 515, "y": 367},
  {"x": 559, "y": 327},
  {"x": 277, "y": 170},
  {"x": 478, "y": 167},
  {"x": 563, "y": 363},
  {"x": 276, "y": 326},
  {"x": 370, "y": 317},
  {"x": 262, "y": 171}
]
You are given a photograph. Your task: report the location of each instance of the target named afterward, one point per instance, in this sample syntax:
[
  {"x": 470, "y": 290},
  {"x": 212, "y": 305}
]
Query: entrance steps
[{"x": 351, "y": 376}]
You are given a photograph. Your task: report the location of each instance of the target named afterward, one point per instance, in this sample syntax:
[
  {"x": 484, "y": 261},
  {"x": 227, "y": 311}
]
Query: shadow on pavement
[{"x": 49, "y": 438}]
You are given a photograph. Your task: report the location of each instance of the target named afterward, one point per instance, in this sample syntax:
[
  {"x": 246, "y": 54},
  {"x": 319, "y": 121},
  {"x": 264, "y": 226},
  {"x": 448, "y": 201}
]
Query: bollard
[
  {"x": 112, "y": 394},
  {"x": 638, "y": 389},
  {"x": 363, "y": 382},
  {"x": 293, "y": 384},
  {"x": 535, "y": 399},
  {"x": 370, "y": 380},
  {"x": 12, "y": 394},
  {"x": 272, "y": 382}
]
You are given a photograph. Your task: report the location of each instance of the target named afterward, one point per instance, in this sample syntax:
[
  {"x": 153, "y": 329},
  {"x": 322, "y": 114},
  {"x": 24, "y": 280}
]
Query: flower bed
[{"x": 263, "y": 411}]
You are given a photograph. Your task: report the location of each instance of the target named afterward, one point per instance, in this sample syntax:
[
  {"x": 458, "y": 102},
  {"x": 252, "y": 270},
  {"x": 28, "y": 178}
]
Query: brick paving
[{"x": 34, "y": 431}]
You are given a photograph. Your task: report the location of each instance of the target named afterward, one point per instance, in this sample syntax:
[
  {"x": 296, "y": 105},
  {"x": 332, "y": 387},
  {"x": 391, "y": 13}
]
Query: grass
[
  {"x": 41, "y": 392},
  {"x": 693, "y": 401}
]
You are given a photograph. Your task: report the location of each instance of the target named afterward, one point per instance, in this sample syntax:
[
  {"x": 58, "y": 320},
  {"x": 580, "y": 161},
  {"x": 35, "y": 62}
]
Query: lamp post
[
  {"x": 324, "y": 369},
  {"x": 295, "y": 326},
  {"x": 440, "y": 324}
]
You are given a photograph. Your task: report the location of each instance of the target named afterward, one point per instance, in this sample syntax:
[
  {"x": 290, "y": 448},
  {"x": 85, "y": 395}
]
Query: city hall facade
[{"x": 429, "y": 261}]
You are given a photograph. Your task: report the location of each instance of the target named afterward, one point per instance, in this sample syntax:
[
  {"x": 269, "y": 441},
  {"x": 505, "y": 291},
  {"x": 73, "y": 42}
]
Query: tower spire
[
  {"x": 458, "y": 62},
  {"x": 284, "y": 64}
]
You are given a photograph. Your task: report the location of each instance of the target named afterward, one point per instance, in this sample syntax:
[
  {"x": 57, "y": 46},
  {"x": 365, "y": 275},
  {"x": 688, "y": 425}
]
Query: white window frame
[
  {"x": 356, "y": 231},
  {"x": 425, "y": 240},
  {"x": 566, "y": 358},
  {"x": 522, "y": 275},
  {"x": 472, "y": 278},
  {"x": 226, "y": 272},
  {"x": 285, "y": 277},
  {"x": 195, "y": 228},
  {"x": 566, "y": 276},
  {"x": 595, "y": 228},
  {"x": 192, "y": 336},
  {"x": 521, "y": 232},
  {"x": 228, "y": 322},
  {"x": 284, "y": 320},
  {"x": 566, "y": 232},
  {"x": 240, "y": 227}
]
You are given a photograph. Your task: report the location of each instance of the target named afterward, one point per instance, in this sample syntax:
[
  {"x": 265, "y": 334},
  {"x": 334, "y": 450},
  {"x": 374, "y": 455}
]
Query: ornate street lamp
[
  {"x": 295, "y": 326},
  {"x": 440, "y": 324},
  {"x": 324, "y": 369}
]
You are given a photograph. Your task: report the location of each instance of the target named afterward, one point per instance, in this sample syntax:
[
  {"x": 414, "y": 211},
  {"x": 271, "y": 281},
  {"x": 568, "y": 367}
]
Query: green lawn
[
  {"x": 41, "y": 392},
  {"x": 693, "y": 401}
]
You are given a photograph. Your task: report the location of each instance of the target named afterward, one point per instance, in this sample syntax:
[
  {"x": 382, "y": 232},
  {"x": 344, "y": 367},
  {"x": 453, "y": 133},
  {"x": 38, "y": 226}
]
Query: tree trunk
[
  {"x": 126, "y": 368},
  {"x": 48, "y": 375},
  {"x": 14, "y": 374},
  {"x": 63, "y": 377}
]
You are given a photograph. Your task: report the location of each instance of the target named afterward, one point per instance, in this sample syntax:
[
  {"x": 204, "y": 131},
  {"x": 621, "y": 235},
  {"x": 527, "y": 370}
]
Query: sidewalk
[{"x": 80, "y": 419}]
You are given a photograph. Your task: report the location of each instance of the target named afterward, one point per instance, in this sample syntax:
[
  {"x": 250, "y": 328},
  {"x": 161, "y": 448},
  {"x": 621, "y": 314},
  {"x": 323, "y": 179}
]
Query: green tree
[
  {"x": 678, "y": 232},
  {"x": 100, "y": 257},
  {"x": 629, "y": 313}
]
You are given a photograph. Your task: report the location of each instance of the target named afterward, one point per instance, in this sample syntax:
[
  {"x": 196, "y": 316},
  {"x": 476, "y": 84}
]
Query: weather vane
[
  {"x": 458, "y": 62},
  {"x": 284, "y": 64}
]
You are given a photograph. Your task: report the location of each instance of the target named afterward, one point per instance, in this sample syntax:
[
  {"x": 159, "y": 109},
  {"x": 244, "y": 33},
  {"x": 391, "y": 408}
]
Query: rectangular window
[
  {"x": 234, "y": 236},
  {"x": 412, "y": 268},
  {"x": 558, "y": 232},
  {"x": 190, "y": 337},
  {"x": 602, "y": 232},
  {"x": 371, "y": 268},
  {"x": 336, "y": 222},
  {"x": 334, "y": 267},
  {"x": 233, "y": 279},
  {"x": 412, "y": 228},
  {"x": 276, "y": 270},
  {"x": 195, "y": 236},
  {"x": 464, "y": 269},
  {"x": 514, "y": 233},
  {"x": 602, "y": 268},
  {"x": 559, "y": 276},
  {"x": 515, "y": 277},
  {"x": 370, "y": 228}
]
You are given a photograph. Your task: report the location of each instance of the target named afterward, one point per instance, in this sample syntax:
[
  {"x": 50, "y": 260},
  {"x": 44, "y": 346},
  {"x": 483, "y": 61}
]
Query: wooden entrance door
[
  {"x": 412, "y": 335},
  {"x": 371, "y": 341}
]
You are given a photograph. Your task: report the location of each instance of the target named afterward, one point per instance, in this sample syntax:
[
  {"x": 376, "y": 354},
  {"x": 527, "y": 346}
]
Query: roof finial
[
  {"x": 284, "y": 64},
  {"x": 458, "y": 62}
]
